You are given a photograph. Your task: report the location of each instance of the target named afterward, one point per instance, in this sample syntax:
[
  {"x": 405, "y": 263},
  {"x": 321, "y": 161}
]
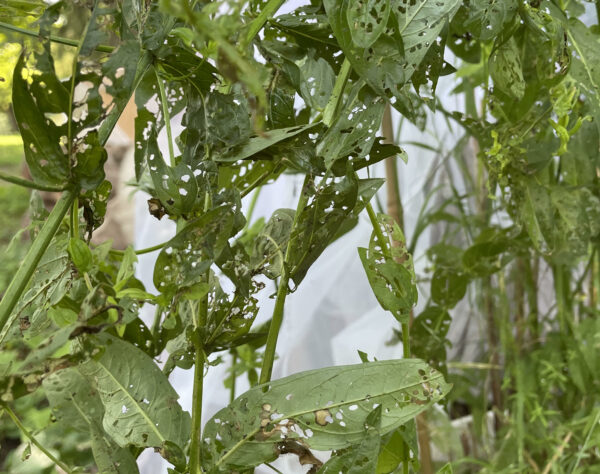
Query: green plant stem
[
  {"x": 269, "y": 357},
  {"x": 75, "y": 218},
  {"x": 195, "y": 453},
  {"x": 29, "y": 264},
  {"x": 166, "y": 116},
  {"x": 257, "y": 24},
  {"x": 55, "y": 39},
  {"x": 199, "y": 358},
  {"x": 28, "y": 184},
  {"x": 34, "y": 441},
  {"x": 140, "y": 251},
  {"x": 563, "y": 300},
  {"x": 252, "y": 206}
]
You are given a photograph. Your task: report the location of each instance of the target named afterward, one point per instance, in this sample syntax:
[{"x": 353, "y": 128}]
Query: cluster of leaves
[{"x": 74, "y": 338}]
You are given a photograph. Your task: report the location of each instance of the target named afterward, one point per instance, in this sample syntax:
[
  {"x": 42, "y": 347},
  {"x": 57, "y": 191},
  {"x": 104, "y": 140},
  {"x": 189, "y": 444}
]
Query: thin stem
[
  {"x": 394, "y": 202},
  {"x": 195, "y": 453},
  {"x": 55, "y": 39},
  {"x": 29, "y": 184},
  {"x": 259, "y": 22},
  {"x": 34, "y": 441},
  {"x": 75, "y": 218},
  {"x": 140, "y": 251},
  {"x": 37, "y": 249},
  {"x": 199, "y": 358},
  {"x": 167, "y": 116},
  {"x": 252, "y": 206},
  {"x": 269, "y": 357}
]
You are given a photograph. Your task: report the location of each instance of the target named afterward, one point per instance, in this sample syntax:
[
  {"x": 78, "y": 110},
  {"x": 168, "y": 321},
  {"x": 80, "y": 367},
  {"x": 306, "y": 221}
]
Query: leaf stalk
[
  {"x": 29, "y": 184},
  {"x": 103, "y": 48},
  {"x": 33, "y": 440}
]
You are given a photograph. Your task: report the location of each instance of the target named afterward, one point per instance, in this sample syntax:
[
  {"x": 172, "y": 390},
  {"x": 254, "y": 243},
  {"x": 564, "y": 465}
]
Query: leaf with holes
[
  {"x": 260, "y": 143},
  {"x": 487, "y": 18},
  {"x": 352, "y": 135},
  {"x": 271, "y": 244},
  {"x": 367, "y": 20},
  {"x": 141, "y": 407},
  {"x": 585, "y": 63},
  {"x": 185, "y": 258},
  {"x": 391, "y": 274},
  {"x": 506, "y": 69},
  {"x": 76, "y": 404},
  {"x": 448, "y": 286},
  {"x": 428, "y": 336},
  {"x": 322, "y": 409},
  {"x": 42, "y": 136},
  {"x": 362, "y": 457},
  {"x": 328, "y": 208},
  {"x": 176, "y": 185},
  {"x": 389, "y": 62}
]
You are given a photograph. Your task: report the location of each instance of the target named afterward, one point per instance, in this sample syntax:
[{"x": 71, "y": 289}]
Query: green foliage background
[{"x": 76, "y": 358}]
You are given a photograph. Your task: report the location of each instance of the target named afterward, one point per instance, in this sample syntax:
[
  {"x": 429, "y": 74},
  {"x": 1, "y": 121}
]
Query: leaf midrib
[{"x": 135, "y": 403}]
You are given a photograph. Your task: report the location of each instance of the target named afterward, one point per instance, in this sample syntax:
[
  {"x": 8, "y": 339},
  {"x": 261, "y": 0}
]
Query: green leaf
[
  {"x": 328, "y": 209},
  {"x": 448, "y": 287},
  {"x": 324, "y": 409},
  {"x": 585, "y": 68},
  {"x": 183, "y": 261},
  {"x": 76, "y": 404},
  {"x": 388, "y": 63},
  {"x": 367, "y": 20},
  {"x": 259, "y": 143},
  {"x": 363, "y": 457},
  {"x": 80, "y": 254},
  {"x": 506, "y": 70},
  {"x": 428, "y": 336},
  {"x": 127, "y": 269},
  {"x": 390, "y": 456},
  {"x": 271, "y": 244},
  {"x": 141, "y": 407},
  {"x": 392, "y": 279},
  {"x": 16, "y": 9},
  {"x": 446, "y": 469},
  {"x": 34, "y": 108},
  {"x": 487, "y": 18},
  {"x": 353, "y": 132}
]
